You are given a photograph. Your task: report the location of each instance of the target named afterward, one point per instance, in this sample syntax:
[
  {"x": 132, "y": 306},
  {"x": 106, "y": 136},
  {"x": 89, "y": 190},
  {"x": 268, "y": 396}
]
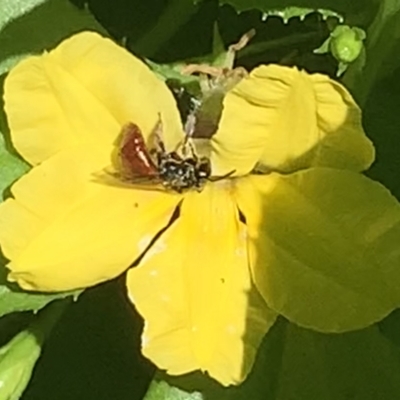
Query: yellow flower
[{"x": 310, "y": 238}]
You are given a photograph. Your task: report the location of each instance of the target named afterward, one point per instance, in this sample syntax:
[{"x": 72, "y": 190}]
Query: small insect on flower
[{"x": 177, "y": 170}]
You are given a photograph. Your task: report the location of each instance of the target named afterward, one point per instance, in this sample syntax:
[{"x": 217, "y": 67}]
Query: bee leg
[
  {"x": 188, "y": 150},
  {"x": 219, "y": 178},
  {"x": 190, "y": 125}
]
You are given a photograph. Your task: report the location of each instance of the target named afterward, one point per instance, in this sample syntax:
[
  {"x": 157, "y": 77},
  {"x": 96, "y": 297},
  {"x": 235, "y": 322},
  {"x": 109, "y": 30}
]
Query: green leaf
[
  {"x": 11, "y": 167},
  {"x": 382, "y": 49},
  {"x": 17, "y": 360},
  {"x": 163, "y": 391},
  {"x": 361, "y": 365},
  {"x": 14, "y": 299},
  {"x": 300, "y": 12},
  {"x": 172, "y": 71},
  {"x": 30, "y": 26},
  {"x": 175, "y": 15},
  {"x": 13, "y": 9},
  {"x": 300, "y": 8},
  {"x": 97, "y": 341},
  {"x": 19, "y": 356},
  {"x": 298, "y": 364}
]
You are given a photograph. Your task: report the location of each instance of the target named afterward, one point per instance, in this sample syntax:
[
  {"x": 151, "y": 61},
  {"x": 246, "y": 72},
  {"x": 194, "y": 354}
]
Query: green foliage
[
  {"x": 13, "y": 299},
  {"x": 163, "y": 391},
  {"x": 30, "y": 26},
  {"x": 18, "y": 357},
  {"x": 345, "y": 44},
  {"x": 176, "y": 14},
  {"x": 308, "y": 365},
  {"x": 11, "y": 167},
  {"x": 298, "y": 364},
  {"x": 300, "y": 12},
  {"x": 382, "y": 48},
  {"x": 299, "y": 8}
]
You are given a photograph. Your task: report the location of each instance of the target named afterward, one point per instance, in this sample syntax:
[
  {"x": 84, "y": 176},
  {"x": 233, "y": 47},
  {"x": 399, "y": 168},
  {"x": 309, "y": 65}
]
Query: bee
[{"x": 176, "y": 171}]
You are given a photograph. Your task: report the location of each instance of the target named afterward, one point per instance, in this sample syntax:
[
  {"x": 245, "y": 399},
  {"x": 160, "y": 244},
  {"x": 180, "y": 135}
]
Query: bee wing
[
  {"x": 112, "y": 178},
  {"x": 155, "y": 141}
]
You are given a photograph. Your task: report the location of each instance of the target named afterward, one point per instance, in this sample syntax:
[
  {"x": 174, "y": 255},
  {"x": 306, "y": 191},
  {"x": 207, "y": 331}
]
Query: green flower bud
[
  {"x": 346, "y": 43},
  {"x": 17, "y": 360},
  {"x": 18, "y": 357}
]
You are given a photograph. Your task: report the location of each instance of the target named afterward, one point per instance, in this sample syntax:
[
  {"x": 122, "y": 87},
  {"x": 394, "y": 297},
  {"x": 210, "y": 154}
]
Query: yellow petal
[
  {"x": 65, "y": 230},
  {"x": 83, "y": 92},
  {"x": 286, "y": 119},
  {"x": 194, "y": 291},
  {"x": 324, "y": 246}
]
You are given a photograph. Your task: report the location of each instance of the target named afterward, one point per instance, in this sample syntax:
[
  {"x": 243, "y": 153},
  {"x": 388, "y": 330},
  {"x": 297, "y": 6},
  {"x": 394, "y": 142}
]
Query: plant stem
[
  {"x": 177, "y": 13},
  {"x": 257, "y": 48},
  {"x": 48, "y": 318}
]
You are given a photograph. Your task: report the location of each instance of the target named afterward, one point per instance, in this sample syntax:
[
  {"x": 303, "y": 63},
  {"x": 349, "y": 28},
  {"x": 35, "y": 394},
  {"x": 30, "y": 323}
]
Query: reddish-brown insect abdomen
[{"x": 134, "y": 157}]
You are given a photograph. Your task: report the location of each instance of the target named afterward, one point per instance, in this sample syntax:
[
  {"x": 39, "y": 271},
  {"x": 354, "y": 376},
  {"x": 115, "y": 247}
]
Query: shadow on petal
[
  {"x": 194, "y": 291},
  {"x": 323, "y": 247},
  {"x": 282, "y": 119}
]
